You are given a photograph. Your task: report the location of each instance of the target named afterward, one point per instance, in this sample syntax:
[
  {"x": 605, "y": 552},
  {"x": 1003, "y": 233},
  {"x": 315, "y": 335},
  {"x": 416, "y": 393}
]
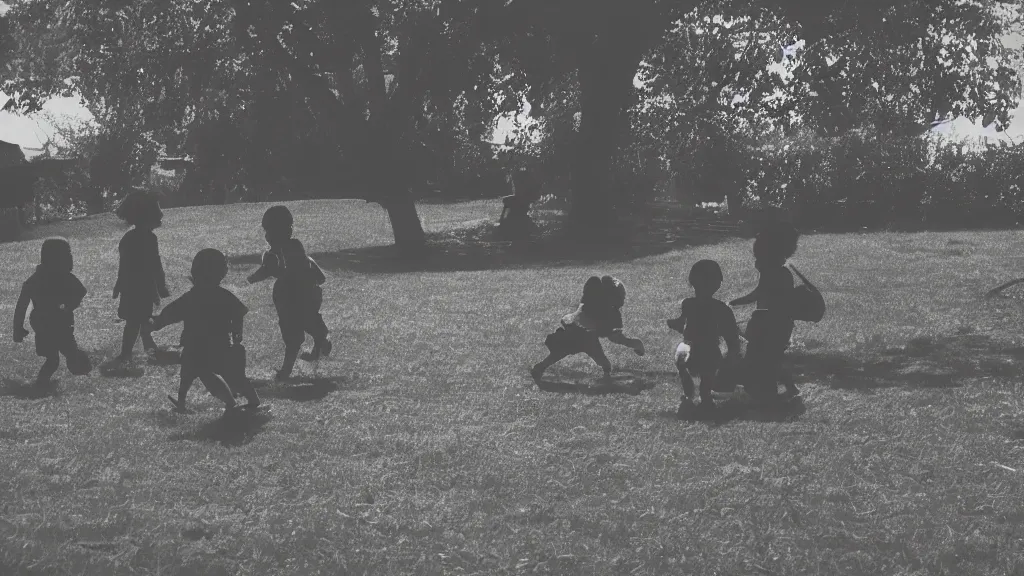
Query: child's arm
[
  {"x": 317, "y": 272},
  {"x": 161, "y": 278},
  {"x": 19, "y": 312},
  {"x": 678, "y": 324},
  {"x": 171, "y": 314},
  {"x": 77, "y": 293},
  {"x": 731, "y": 332},
  {"x": 748, "y": 299},
  {"x": 237, "y": 320},
  {"x": 120, "y": 270},
  {"x": 266, "y": 269}
]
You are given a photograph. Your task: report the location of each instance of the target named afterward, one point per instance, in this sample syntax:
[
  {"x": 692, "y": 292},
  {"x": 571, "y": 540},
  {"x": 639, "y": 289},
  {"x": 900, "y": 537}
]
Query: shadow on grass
[
  {"x": 236, "y": 429},
  {"x": 303, "y": 388},
  {"x": 928, "y": 362},
  {"x": 27, "y": 390},
  {"x": 113, "y": 369},
  {"x": 483, "y": 248},
  {"x": 165, "y": 358},
  {"x": 631, "y": 383}
]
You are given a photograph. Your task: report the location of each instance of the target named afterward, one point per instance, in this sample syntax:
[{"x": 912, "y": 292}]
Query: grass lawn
[{"x": 423, "y": 446}]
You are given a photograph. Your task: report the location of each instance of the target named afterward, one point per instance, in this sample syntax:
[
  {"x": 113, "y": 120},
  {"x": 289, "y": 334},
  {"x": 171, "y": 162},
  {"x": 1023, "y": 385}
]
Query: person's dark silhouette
[
  {"x": 54, "y": 293},
  {"x": 771, "y": 326},
  {"x": 598, "y": 316},
  {"x": 298, "y": 295},
  {"x": 140, "y": 273},
  {"x": 704, "y": 321},
  {"x": 212, "y": 335}
]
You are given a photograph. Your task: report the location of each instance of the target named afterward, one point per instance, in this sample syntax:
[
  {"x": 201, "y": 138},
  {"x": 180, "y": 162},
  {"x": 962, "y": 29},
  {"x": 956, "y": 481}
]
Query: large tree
[
  {"x": 899, "y": 65},
  {"x": 246, "y": 86}
]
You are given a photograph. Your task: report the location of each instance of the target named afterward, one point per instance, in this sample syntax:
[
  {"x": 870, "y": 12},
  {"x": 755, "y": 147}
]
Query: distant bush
[{"x": 865, "y": 180}]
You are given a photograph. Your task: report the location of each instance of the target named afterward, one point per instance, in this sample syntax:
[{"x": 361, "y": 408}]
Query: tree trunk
[
  {"x": 405, "y": 225},
  {"x": 604, "y": 93}
]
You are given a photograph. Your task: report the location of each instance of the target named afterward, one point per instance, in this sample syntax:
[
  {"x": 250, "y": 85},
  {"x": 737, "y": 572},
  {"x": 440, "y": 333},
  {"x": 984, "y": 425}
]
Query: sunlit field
[{"x": 422, "y": 446}]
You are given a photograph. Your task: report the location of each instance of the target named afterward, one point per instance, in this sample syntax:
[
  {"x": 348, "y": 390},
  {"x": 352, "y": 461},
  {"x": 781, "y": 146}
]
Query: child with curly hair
[
  {"x": 704, "y": 321},
  {"x": 55, "y": 293},
  {"x": 771, "y": 325},
  {"x": 140, "y": 273},
  {"x": 597, "y": 316},
  {"x": 212, "y": 334},
  {"x": 298, "y": 295}
]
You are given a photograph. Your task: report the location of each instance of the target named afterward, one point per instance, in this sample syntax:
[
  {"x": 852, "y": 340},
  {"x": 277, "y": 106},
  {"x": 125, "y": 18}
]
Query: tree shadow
[
  {"x": 232, "y": 430},
  {"x": 632, "y": 383},
  {"x": 484, "y": 247},
  {"x": 926, "y": 362},
  {"x": 113, "y": 369},
  {"x": 303, "y": 388}
]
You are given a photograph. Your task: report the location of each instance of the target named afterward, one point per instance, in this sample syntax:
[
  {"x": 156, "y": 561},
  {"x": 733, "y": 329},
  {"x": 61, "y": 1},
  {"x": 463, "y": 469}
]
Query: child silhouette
[
  {"x": 55, "y": 293},
  {"x": 297, "y": 292},
  {"x": 704, "y": 321},
  {"x": 213, "y": 319},
  {"x": 598, "y": 316},
  {"x": 771, "y": 325},
  {"x": 140, "y": 273}
]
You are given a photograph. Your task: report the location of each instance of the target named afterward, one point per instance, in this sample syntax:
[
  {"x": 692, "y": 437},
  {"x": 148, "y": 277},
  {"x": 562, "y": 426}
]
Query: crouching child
[{"x": 598, "y": 316}]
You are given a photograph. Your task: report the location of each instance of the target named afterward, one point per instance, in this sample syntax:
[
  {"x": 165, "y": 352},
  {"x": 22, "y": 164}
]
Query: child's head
[
  {"x": 706, "y": 277},
  {"x": 277, "y": 224},
  {"x": 615, "y": 291},
  {"x": 593, "y": 292},
  {"x": 140, "y": 209},
  {"x": 56, "y": 255},
  {"x": 775, "y": 244},
  {"x": 209, "y": 267}
]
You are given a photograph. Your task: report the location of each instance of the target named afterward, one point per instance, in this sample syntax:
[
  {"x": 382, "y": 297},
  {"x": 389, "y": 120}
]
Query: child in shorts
[
  {"x": 55, "y": 293},
  {"x": 213, "y": 319},
  {"x": 771, "y": 325},
  {"x": 297, "y": 291},
  {"x": 140, "y": 273},
  {"x": 703, "y": 321},
  {"x": 597, "y": 316}
]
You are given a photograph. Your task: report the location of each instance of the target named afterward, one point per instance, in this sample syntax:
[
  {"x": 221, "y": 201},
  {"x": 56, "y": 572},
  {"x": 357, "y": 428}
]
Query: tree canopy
[{"x": 377, "y": 97}]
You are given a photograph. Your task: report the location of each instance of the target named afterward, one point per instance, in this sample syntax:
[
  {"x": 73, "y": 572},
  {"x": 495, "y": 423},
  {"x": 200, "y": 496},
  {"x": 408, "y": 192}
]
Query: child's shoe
[
  {"x": 639, "y": 348},
  {"x": 282, "y": 375},
  {"x": 686, "y": 407}
]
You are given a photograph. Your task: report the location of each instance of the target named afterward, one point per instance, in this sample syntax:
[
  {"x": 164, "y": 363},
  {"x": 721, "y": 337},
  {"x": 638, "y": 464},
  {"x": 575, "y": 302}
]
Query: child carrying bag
[{"x": 807, "y": 303}]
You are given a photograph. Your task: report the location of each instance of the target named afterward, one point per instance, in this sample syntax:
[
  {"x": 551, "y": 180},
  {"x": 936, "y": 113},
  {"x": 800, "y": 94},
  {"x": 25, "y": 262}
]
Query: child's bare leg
[
  {"x": 243, "y": 386},
  {"x": 148, "y": 344},
  {"x": 291, "y": 353},
  {"x": 686, "y": 380},
  {"x": 218, "y": 388},
  {"x": 597, "y": 353},
  {"x": 48, "y": 369},
  {"x": 540, "y": 367},
  {"x": 635, "y": 343},
  {"x": 131, "y": 334},
  {"x": 184, "y": 385},
  {"x": 707, "y": 384}
]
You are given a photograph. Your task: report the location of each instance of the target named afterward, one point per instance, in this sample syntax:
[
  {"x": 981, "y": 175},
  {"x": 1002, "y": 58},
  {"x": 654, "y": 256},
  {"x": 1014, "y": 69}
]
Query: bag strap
[{"x": 804, "y": 278}]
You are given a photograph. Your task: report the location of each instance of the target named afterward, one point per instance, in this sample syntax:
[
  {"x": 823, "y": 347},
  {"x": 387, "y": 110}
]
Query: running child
[
  {"x": 211, "y": 336},
  {"x": 771, "y": 325},
  {"x": 297, "y": 291},
  {"x": 597, "y": 316},
  {"x": 55, "y": 293},
  {"x": 703, "y": 321},
  {"x": 140, "y": 273}
]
